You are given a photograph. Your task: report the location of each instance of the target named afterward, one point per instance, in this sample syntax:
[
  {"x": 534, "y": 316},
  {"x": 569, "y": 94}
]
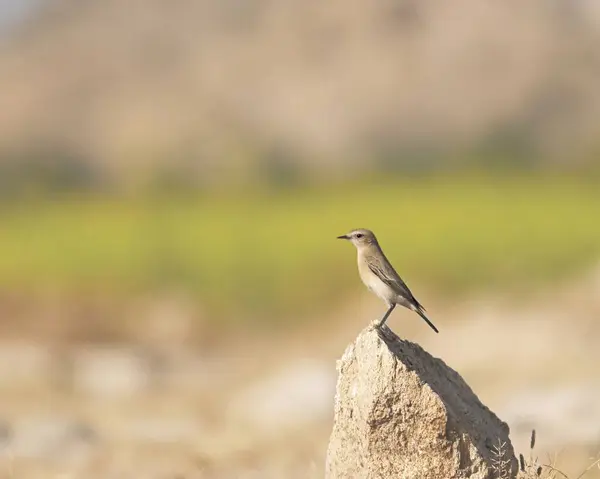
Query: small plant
[
  {"x": 500, "y": 464},
  {"x": 532, "y": 469}
]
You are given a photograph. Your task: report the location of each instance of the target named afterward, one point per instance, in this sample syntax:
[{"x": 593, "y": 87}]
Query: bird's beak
[{"x": 343, "y": 237}]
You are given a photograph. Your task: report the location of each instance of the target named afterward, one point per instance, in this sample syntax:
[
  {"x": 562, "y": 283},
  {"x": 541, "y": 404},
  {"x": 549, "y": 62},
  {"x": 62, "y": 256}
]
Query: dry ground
[{"x": 262, "y": 408}]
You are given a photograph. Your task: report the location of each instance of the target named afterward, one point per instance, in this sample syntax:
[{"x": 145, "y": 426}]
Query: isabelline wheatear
[{"x": 380, "y": 277}]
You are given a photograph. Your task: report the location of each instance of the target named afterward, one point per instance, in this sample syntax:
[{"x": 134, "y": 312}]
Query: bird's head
[{"x": 360, "y": 237}]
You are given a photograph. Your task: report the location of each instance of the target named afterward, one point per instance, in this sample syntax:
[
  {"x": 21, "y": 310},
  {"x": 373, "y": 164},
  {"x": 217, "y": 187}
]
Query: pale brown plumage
[{"x": 380, "y": 277}]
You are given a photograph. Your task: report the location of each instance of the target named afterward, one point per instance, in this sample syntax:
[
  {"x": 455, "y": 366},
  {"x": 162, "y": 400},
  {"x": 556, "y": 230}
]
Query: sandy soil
[{"x": 262, "y": 407}]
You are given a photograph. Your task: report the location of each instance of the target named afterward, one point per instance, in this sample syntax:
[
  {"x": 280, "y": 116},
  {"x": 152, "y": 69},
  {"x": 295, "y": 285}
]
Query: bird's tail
[{"x": 420, "y": 310}]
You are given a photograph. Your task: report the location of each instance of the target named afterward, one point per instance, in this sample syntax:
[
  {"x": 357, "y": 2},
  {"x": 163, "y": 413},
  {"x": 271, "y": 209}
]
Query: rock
[{"x": 399, "y": 412}]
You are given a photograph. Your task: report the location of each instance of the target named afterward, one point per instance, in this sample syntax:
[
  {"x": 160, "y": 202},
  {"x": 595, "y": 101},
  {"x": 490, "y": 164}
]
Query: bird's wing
[{"x": 389, "y": 276}]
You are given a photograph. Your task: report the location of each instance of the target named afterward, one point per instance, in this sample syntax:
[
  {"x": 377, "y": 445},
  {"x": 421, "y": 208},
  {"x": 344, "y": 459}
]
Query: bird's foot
[{"x": 375, "y": 324}]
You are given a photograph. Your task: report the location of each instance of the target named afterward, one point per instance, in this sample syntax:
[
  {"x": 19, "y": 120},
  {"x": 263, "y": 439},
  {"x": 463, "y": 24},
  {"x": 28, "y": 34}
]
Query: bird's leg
[{"x": 386, "y": 315}]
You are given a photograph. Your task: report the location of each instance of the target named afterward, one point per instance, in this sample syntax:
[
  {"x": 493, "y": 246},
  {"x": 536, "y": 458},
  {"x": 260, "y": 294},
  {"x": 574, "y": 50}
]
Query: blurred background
[{"x": 172, "y": 179}]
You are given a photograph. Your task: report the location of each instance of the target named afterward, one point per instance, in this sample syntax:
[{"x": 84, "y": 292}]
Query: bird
[{"x": 380, "y": 277}]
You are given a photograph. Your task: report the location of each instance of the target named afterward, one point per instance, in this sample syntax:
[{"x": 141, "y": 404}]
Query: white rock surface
[{"x": 399, "y": 412}]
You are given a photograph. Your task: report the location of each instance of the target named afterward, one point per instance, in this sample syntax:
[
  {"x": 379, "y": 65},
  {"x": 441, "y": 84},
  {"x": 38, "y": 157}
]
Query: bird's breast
[{"x": 372, "y": 281}]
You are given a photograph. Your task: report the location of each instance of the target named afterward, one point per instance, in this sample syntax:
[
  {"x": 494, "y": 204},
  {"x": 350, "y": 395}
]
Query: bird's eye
[{"x": 359, "y": 235}]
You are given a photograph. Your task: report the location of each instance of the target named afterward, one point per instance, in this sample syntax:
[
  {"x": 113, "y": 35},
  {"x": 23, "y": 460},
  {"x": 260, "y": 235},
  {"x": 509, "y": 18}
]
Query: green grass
[{"x": 274, "y": 252}]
